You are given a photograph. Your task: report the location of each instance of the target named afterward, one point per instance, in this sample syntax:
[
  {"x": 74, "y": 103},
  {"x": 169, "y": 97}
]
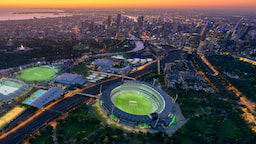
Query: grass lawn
[
  {"x": 74, "y": 130},
  {"x": 187, "y": 140},
  {"x": 229, "y": 130},
  {"x": 37, "y": 74},
  {"x": 11, "y": 84},
  {"x": 98, "y": 115},
  {"x": 133, "y": 103},
  {"x": 79, "y": 69},
  {"x": 77, "y": 125}
]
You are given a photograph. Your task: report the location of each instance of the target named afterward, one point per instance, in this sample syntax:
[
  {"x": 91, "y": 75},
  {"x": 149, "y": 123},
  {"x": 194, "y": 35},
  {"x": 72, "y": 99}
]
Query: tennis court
[
  {"x": 34, "y": 96},
  {"x": 29, "y": 101},
  {"x": 38, "y": 93}
]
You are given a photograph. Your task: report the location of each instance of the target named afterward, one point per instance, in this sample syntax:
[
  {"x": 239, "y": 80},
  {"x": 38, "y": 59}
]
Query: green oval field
[
  {"x": 37, "y": 74},
  {"x": 133, "y": 103}
]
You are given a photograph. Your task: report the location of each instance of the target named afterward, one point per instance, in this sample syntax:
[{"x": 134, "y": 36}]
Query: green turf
[
  {"x": 229, "y": 130},
  {"x": 12, "y": 84},
  {"x": 98, "y": 115},
  {"x": 80, "y": 69},
  {"x": 37, "y": 74},
  {"x": 143, "y": 106},
  {"x": 187, "y": 140}
]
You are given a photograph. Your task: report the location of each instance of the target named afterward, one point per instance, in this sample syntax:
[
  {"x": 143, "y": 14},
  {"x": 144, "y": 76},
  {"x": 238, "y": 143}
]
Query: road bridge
[
  {"x": 110, "y": 74},
  {"x": 84, "y": 94}
]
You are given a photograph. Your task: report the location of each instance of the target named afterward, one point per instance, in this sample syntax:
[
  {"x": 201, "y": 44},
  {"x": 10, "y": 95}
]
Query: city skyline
[
  {"x": 131, "y": 3},
  {"x": 110, "y": 71}
]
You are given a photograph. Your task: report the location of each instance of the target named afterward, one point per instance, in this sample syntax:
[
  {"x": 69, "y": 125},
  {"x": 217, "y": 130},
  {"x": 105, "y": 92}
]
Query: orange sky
[{"x": 126, "y": 3}]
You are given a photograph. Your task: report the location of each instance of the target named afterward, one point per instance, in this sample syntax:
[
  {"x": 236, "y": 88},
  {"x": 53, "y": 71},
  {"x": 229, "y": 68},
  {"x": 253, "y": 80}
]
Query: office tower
[
  {"x": 82, "y": 27},
  {"x": 109, "y": 21},
  {"x": 118, "y": 22},
  {"x": 140, "y": 20}
]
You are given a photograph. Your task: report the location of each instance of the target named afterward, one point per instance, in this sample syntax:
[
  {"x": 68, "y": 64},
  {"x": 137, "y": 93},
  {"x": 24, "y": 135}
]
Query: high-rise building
[
  {"x": 140, "y": 20},
  {"x": 109, "y": 21},
  {"x": 118, "y": 22},
  {"x": 82, "y": 27},
  {"x": 91, "y": 26}
]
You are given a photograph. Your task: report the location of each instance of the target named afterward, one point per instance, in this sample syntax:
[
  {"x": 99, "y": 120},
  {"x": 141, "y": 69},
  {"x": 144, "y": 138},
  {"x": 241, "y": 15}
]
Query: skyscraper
[
  {"x": 118, "y": 22},
  {"x": 140, "y": 20},
  {"x": 82, "y": 27},
  {"x": 109, "y": 21}
]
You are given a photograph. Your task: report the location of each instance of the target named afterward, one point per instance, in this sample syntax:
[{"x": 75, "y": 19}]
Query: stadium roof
[
  {"x": 47, "y": 97},
  {"x": 115, "y": 70},
  {"x": 103, "y": 62},
  {"x": 69, "y": 79}
]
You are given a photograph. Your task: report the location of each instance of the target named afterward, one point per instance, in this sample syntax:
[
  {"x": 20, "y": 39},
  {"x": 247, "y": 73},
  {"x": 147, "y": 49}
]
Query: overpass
[
  {"x": 110, "y": 74},
  {"x": 84, "y": 94}
]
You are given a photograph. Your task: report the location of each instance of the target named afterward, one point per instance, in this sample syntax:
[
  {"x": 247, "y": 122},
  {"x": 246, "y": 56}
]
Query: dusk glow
[
  {"x": 130, "y": 3},
  {"x": 127, "y": 71}
]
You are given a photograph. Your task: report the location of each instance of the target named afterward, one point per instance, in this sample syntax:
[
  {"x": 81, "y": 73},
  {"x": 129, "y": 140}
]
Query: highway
[{"x": 45, "y": 115}]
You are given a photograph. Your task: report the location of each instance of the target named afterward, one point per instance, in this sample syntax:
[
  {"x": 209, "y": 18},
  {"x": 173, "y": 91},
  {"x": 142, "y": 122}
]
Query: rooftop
[{"x": 47, "y": 97}]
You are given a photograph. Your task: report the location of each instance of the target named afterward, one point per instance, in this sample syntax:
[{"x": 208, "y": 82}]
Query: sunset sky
[{"x": 127, "y": 3}]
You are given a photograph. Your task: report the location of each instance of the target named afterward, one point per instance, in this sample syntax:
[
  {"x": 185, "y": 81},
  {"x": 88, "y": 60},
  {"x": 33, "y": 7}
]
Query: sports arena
[
  {"x": 11, "y": 88},
  {"x": 138, "y": 104}
]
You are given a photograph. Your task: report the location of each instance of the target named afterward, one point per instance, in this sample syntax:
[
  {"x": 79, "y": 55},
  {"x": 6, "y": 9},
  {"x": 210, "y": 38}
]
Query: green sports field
[
  {"x": 133, "y": 103},
  {"x": 10, "y": 84},
  {"x": 37, "y": 74}
]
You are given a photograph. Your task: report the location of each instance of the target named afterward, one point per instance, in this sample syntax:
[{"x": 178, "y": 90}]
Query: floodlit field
[
  {"x": 7, "y": 87},
  {"x": 37, "y": 74},
  {"x": 10, "y": 84},
  {"x": 9, "y": 116},
  {"x": 133, "y": 103},
  {"x": 5, "y": 90}
]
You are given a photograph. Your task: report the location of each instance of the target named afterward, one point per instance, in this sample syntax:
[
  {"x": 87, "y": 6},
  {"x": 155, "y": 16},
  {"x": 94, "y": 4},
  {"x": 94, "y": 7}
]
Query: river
[{"x": 139, "y": 46}]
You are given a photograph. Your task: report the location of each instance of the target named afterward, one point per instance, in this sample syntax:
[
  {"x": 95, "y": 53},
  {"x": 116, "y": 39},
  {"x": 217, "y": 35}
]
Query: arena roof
[
  {"x": 47, "y": 97},
  {"x": 70, "y": 79},
  {"x": 115, "y": 70},
  {"x": 103, "y": 62}
]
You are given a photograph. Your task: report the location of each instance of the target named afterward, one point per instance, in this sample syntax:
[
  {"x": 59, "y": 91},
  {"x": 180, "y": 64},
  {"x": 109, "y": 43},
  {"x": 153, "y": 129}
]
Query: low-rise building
[{"x": 70, "y": 80}]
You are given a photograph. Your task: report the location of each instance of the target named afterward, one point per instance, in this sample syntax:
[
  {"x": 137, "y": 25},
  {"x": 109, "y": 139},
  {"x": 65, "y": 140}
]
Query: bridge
[
  {"x": 117, "y": 75},
  {"x": 84, "y": 94}
]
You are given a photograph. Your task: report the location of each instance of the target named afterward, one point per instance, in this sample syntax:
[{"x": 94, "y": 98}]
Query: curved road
[{"x": 139, "y": 46}]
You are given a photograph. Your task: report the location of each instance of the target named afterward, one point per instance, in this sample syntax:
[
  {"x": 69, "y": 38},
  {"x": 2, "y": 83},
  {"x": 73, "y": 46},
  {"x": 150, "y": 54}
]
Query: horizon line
[{"x": 116, "y": 7}]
